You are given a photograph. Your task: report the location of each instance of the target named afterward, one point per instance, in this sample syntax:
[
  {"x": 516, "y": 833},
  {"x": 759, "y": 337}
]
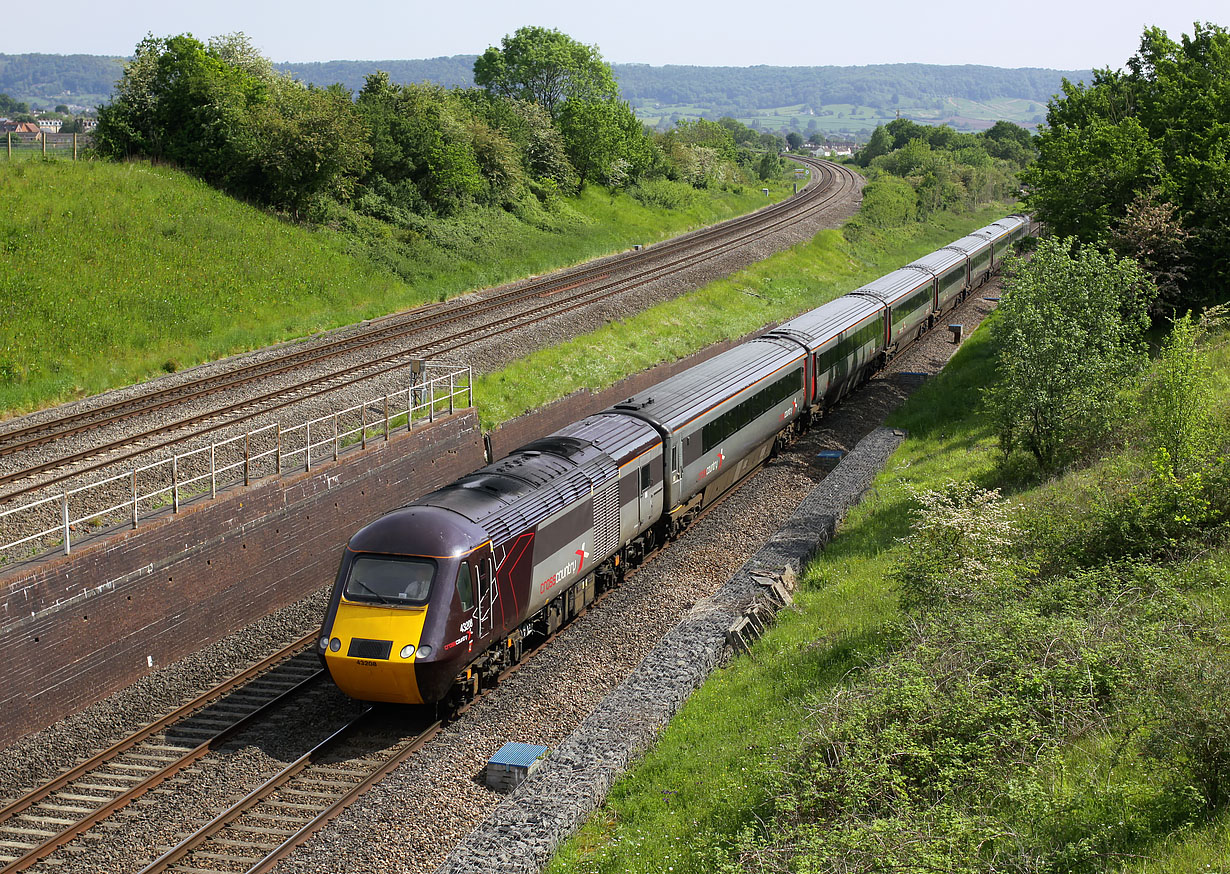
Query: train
[{"x": 434, "y": 600}]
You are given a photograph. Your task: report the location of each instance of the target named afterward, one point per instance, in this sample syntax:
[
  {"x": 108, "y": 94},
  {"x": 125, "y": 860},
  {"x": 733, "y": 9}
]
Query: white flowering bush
[{"x": 959, "y": 546}]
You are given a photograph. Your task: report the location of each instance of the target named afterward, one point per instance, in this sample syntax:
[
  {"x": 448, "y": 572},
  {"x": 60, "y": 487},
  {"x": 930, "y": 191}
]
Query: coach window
[
  {"x": 465, "y": 588},
  {"x": 645, "y": 478}
]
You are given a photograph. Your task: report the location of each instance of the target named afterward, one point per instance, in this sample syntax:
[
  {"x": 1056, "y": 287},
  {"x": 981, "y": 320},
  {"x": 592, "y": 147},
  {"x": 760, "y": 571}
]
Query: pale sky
[{"x": 1060, "y": 34}]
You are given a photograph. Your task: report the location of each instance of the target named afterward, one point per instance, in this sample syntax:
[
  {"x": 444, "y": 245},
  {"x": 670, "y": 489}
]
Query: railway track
[
  {"x": 267, "y": 824},
  {"x": 538, "y": 301},
  {"x": 44, "y": 819}
]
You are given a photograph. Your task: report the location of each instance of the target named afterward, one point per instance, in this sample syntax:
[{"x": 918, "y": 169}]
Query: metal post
[
  {"x": 174, "y": 483},
  {"x": 279, "y": 461},
  {"x": 451, "y": 389},
  {"x": 134, "y": 498},
  {"x": 431, "y": 401},
  {"x": 335, "y": 436},
  {"x": 409, "y": 406},
  {"x": 307, "y": 446},
  {"x": 363, "y": 425},
  {"x": 247, "y": 458},
  {"x": 213, "y": 471},
  {"x": 386, "y": 417},
  {"x": 64, "y": 507}
]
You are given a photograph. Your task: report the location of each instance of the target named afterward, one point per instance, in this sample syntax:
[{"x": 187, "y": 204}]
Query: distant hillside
[
  {"x": 835, "y": 100},
  {"x": 45, "y": 81}
]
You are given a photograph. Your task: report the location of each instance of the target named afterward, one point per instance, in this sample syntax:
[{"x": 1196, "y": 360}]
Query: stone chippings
[{"x": 524, "y": 831}]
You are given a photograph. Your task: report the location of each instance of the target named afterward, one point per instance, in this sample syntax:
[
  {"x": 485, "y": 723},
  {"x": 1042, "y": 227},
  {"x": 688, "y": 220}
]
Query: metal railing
[{"x": 269, "y": 451}]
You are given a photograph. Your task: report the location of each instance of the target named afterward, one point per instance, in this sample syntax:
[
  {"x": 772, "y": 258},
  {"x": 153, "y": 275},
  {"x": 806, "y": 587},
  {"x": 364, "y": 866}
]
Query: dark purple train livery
[{"x": 435, "y": 598}]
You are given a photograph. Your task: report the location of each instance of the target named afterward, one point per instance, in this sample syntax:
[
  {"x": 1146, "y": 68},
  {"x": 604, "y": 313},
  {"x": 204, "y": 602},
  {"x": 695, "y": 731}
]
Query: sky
[{"x": 1058, "y": 34}]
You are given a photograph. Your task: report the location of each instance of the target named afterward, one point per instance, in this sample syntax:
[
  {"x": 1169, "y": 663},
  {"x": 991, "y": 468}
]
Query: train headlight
[
  {"x": 324, "y": 644},
  {"x": 335, "y": 644},
  {"x": 407, "y": 651},
  {"x": 424, "y": 651}
]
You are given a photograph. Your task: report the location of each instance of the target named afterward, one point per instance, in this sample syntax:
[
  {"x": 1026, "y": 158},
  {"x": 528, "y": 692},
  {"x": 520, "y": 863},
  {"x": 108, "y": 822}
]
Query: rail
[{"x": 269, "y": 451}]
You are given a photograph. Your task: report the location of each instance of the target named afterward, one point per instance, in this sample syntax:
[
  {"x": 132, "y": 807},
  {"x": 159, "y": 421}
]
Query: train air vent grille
[
  {"x": 606, "y": 520},
  {"x": 369, "y": 649}
]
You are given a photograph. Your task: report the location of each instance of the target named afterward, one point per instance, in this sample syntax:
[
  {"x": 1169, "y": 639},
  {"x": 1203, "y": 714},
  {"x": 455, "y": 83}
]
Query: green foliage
[
  {"x": 1157, "y": 126},
  {"x": 220, "y": 112},
  {"x": 546, "y": 67},
  {"x": 1069, "y": 331},
  {"x": 604, "y": 141},
  {"x": 9, "y": 106}
]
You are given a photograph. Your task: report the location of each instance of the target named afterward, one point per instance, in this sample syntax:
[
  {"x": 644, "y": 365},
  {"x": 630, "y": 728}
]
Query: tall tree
[
  {"x": 545, "y": 66},
  {"x": 1163, "y": 126}
]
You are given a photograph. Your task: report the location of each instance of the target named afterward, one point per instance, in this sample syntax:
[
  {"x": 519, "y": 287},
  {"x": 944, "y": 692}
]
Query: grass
[
  {"x": 116, "y": 273},
  {"x": 712, "y": 795},
  {"x": 712, "y": 774},
  {"x": 773, "y": 290}
]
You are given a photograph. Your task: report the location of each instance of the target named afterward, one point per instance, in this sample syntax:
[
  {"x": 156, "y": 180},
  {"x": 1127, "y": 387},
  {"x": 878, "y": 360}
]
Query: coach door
[
  {"x": 485, "y": 596},
  {"x": 646, "y": 492}
]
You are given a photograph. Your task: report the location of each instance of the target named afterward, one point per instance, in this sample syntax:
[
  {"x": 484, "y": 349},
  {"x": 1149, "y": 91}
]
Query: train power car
[{"x": 432, "y": 600}]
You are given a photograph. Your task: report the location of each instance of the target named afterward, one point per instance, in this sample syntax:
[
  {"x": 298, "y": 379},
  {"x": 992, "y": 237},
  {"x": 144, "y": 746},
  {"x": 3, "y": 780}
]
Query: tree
[
  {"x": 1069, "y": 331},
  {"x": 794, "y": 140},
  {"x": 545, "y": 66},
  {"x": 1160, "y": 124},
  {"x": 604, "y": 140}
]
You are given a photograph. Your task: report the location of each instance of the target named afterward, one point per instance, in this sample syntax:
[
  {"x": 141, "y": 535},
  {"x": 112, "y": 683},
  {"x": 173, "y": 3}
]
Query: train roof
[
  {"x": 896, "y": 285},
  {"x": 622, "y": 437},
  {"x": 815, "y": 328},
  {"x": 939, "y": 262},
  {"x": 674, "y": 402},
  {"x": 525, "y": 487},
  {"x": 970, "y": 243},
  {"x": 418, "y": 530}
]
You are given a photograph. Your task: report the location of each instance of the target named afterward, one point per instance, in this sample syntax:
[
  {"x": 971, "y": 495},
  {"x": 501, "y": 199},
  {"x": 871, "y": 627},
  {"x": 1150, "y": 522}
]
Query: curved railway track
[{"x": 549, "y": 297}]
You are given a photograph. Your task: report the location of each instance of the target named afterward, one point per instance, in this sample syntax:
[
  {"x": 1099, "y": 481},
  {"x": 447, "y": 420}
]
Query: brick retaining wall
[{"x": 75, "y": 628}]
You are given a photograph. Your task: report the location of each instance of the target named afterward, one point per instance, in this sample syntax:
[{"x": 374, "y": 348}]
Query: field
[{"x": 116, "y": 273}]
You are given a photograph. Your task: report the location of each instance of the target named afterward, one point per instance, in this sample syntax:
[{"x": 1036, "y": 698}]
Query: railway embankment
[{"x": 522, "y": 833}]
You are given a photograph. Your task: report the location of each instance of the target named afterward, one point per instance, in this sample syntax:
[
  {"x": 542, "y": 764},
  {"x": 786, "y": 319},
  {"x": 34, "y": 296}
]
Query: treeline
[
  {"x": 1136, "y": 162},
  {"x": 881, "y": 85},
  {"x": 719, "y": 89},
  {"x": 85, "y": 79},
  {"x": 915, "y": 170},
  {"x": 546, "y": 121}
]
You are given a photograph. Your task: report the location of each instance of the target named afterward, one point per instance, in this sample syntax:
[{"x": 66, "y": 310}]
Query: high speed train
[{"x": 436, "y": 598}]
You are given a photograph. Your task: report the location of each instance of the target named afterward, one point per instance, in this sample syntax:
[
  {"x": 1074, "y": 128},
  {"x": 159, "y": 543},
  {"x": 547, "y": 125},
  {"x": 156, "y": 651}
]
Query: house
[
  {"x": 19, "y": 127},
  {"x": 50, "y": 125}
]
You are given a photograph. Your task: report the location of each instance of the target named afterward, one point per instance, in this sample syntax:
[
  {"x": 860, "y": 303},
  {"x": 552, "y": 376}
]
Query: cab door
[{"x": 486, "y": 592}]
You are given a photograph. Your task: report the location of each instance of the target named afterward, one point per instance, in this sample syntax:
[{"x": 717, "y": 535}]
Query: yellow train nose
[{"x": 372, "y": 651}]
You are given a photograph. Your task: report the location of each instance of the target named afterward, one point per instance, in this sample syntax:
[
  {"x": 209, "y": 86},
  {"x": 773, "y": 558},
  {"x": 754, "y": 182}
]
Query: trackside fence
[
  {"x": 270, "y": 451},
  {"x": 16, "y": 146}
]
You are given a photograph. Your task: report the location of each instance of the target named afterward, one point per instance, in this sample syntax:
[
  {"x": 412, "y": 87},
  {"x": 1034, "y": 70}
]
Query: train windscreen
[{"x": 386, "y": 579}]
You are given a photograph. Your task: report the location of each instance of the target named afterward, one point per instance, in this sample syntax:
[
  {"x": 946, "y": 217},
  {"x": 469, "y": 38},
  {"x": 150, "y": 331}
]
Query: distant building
[
  {"x": 19, "y": 127},
  {"x": 50, "y": 125},
  {"x": 838, "y": 148},
  {"x": 88, "y": 123}
]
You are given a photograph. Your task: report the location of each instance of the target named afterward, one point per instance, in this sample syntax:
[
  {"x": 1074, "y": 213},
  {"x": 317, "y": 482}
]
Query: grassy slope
[
  {"x": 782, "y": 286},
  {"x": 711, "y": 779},
  {"x": 115, "y": 273}
]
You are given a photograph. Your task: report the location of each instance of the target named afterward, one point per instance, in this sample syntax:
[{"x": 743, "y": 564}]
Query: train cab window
[
  {"x": 392, "y": 580},
  {"x": 465, "y": 587},
  {"x": 645, "y": 478}
]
